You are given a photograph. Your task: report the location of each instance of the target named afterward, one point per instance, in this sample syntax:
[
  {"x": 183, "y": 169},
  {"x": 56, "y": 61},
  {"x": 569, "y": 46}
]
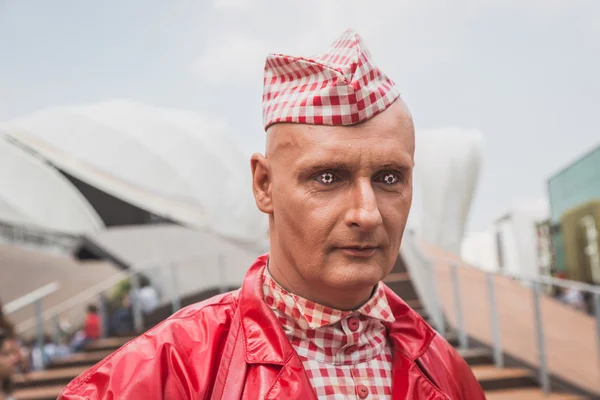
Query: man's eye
[
  {"x": 326, "y": 178},
  {"x": 390, "y": 178}
]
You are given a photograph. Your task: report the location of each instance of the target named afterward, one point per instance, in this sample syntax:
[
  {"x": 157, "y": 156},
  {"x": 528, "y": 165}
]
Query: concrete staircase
[
  {"x": 46, "y": 385},
  {"x": 510, "y": 383}
]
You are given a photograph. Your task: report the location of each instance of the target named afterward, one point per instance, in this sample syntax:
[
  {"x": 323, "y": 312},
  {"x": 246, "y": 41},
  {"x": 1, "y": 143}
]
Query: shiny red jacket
[{"x": 232, "y": 347}]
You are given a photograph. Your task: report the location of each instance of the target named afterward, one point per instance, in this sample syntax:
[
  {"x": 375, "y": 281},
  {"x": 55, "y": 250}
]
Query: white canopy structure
[
  {"x": 447, "y": 167},
  {"x": 32, "y": 193},
  {"x": 172, "y": 163}
]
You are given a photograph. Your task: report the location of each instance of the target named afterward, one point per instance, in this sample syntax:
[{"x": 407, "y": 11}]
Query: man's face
[{"x": 340, "y": 197}]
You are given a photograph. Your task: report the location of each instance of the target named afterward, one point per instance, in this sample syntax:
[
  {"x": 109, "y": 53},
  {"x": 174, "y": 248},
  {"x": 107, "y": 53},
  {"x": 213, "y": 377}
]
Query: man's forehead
[
  {"x": 394, "y": 124},
  {"x": 301, "y": 151}
]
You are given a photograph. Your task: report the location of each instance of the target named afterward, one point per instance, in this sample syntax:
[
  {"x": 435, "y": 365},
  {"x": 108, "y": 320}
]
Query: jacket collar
[
  {"x": 266, "y": 342},
  {"x": 409, "y": 333}
]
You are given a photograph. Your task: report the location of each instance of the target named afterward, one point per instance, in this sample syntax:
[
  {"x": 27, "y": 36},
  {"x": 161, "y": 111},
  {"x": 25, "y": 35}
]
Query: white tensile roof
[
  {"x": 34, "y": 194},
  {"x": 172, "y": 162},
  {"x": 448, "y": 161}
]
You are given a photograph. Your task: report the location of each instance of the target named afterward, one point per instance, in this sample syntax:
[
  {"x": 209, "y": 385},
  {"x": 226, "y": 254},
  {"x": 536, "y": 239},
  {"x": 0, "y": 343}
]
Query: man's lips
[{"x": 358, "y": 250}]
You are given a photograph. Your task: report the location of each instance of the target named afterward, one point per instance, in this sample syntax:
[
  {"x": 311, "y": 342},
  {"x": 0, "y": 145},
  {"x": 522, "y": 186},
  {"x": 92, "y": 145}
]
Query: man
[{"x": 312, "y": 319}]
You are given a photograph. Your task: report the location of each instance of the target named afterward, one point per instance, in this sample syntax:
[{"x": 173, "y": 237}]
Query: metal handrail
[
  {"x": 564, "y": 283},
  {"x": 536, "y": 282},
  {"x": 99, "y": 288},
  {"x": 31, "y": 297},
  {"x": 39, "y": 231},
  {"x": 73, "y": 302},
  {"x": 37, "y": 235}
]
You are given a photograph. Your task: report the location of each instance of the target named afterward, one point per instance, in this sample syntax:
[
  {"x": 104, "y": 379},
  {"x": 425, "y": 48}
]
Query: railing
[
  {"x": 534, "y": 284},
  {"x": 84, "y": 296},
  {"x": 423, "y": 280},
  {"x": 38, "y": 237},
  {"x": 34, "y": 298},
  {"x": 167, "y": 279}
]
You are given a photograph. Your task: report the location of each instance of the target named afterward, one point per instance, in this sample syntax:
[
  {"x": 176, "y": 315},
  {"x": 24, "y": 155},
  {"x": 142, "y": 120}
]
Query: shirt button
[
  {"x": 353, "y": 324},
  {"x": 362, "y": 391}
]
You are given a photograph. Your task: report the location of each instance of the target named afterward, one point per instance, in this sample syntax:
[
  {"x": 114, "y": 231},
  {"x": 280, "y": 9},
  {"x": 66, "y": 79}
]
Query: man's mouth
[{"x": 359, "y": 250}]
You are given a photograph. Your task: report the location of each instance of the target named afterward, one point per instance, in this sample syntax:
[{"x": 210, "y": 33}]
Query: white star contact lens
[
  {"x": 327, "y": 177},
  {"x": 390, "y": 178}
]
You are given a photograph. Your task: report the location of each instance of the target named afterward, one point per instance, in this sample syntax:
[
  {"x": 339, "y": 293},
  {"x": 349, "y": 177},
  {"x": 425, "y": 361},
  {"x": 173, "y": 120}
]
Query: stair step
[
  {"x": 415, "y": 304},
  {"x": 476, "y": 356},
  {"x": 39, "y": 393},
  {"x": 399, "y": 266},
  {"x": 397, "y": 277},
  {"x": 112, "y": 343},
  {"x": 418, "y": 307},
  {"x": 492, "y": 378},
  {"x": 529, "y": 394},
  {"x": 87, "y": 358},
  {"x": 48, "y": 378},
  {"x": 452, "y": 338}
]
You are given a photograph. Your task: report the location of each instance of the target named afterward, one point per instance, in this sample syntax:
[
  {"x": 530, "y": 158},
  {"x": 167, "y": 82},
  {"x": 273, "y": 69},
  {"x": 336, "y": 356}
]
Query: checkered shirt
[
  {"x": 346, "y": 354},
  {"x": 340, "y": 87}
]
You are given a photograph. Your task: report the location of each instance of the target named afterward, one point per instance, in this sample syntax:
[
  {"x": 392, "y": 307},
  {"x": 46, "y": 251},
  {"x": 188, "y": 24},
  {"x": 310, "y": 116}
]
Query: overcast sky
[{"x": 525, "y": 73}]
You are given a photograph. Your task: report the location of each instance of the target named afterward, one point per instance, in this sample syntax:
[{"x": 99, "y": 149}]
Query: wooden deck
[
  {"x": 529, "y": 394},
  {"x": 570, "y": 336}
]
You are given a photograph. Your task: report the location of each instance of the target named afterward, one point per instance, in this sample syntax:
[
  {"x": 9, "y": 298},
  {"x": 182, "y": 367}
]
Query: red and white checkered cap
[{"x": 340, "y": 87}]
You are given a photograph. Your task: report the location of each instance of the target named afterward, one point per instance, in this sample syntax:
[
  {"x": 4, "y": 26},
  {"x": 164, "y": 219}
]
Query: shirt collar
[
  {"x": 317, "y": 315},
  {"x": 265, "y": 341}
]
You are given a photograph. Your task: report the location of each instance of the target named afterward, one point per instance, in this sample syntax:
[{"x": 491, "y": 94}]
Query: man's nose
[{"x": 363, "y": 211}]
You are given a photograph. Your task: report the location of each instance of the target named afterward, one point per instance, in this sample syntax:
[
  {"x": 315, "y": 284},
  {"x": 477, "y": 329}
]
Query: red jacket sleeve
[
  {"x": 449, "y": 371},
  {"x": 175, "y": 360}
]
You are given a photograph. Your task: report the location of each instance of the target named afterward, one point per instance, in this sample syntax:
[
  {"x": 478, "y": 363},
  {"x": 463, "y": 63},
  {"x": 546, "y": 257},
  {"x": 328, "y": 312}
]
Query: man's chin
[{"x": 357, "y": 275}]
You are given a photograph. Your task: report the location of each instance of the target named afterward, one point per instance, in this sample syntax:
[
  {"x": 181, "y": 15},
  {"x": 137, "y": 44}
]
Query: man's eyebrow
[
  {"x": 328, "y": 165},
  {"x": 395, "y": 165},
  {"x": 341, "y": 166}
]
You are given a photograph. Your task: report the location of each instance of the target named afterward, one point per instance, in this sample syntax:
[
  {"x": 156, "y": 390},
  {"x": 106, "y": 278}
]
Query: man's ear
[{"x": 262, "y": 183}]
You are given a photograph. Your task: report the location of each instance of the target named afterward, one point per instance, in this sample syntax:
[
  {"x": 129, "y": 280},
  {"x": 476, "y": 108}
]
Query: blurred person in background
[
  {"x": 574, "y": 298},
  {"x": 123, "y": 301},
  {"x": 570, "y": 296},
  {"x": 51, "y": 350},
  {"x": 13, "y": 343},
  {"x": 121, "y": 320},
  {"x": 92, "y": 329},
  {"x": 146, "y": 295},
  {"x": 9, "y": 361}
]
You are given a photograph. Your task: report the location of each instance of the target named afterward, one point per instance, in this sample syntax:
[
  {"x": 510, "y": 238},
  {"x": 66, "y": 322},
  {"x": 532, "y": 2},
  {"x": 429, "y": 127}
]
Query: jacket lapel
[
  {"x": 409, "y": 382},
  {"x": 274, "y": 368},
  {"x": 410, "y": 337}
]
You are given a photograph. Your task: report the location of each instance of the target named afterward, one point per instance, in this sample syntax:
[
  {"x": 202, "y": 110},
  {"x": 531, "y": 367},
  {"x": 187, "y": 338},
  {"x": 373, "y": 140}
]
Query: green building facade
[{"x": 573, "y": 187}]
